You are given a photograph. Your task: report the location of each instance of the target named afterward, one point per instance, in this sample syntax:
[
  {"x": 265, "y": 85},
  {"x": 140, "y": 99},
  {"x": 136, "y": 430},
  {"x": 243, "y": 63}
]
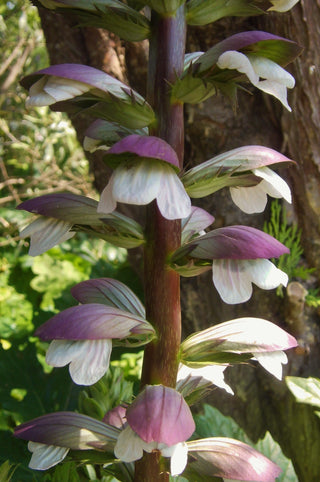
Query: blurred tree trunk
[{"x": 261, "y": 403}]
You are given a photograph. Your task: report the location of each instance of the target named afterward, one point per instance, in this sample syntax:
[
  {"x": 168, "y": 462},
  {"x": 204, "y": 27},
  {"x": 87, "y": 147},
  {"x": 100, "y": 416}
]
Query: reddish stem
[{"x": 162, "y": 285}]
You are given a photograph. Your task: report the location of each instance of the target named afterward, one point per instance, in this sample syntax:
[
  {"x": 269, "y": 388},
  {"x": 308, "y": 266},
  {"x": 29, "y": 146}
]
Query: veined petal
[
  {"x": 160, "y": 414},
  {"x": 276, "y": 89},
  {"x": 265, "y": 274},
  {"x": 172, "y": 199},
  {"x": 272, "y": 362},
  {"x": 45, "y": 456},
  {"x": 129, "y": 446},
  {"x": 89, "y": 359},
  {"x": 277, "y": 79},
  {"x": 233, "y": 278},
  {"x": 138, "y": 183},
  {"x": 45, "y": 233},
  {"x": 282, "y": 5},
  {"x": 267, "y": 69},
  {"x": 231, "y": 281},
  {"x": 63, "y": 89},
  {"x": 273, "y": 184},
  {"x": 251, "y": 199},
  {"x": 234, "y": 60},
  {"x": 231, "y": 459}
]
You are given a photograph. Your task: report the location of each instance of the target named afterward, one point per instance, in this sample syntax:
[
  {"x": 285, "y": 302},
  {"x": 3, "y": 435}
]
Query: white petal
[
  {"x": 265, "y": 274},
  {"x": 45, "y": 233},
  {"x": 179, "y": 457},
  {"x": 233, "y": 60},
  {"x": 273, "y": 184},
  {"x": 45, "y": 456},
  {"x": 172, "y": 199},
  {"x": 231, "y": 280},
  {"x": 129, "y": 446},
  {"x": 272, "y": 362},
  {"x": 37, "y": 96},
  {"x": 63, "y": 89},
  {"x": 276, "y": 89},
  {"x": 137, "y": 183},
  {"x": 269, "y": 70},
  {"x": 282, "y": 5},
  {"x": 89, "y": 359},
  {"x": 277, "y": 79},
  {"x": 107, "y": 203},
  {"x": 251, "y": 199},
  {"x": 210, "y": 373}
]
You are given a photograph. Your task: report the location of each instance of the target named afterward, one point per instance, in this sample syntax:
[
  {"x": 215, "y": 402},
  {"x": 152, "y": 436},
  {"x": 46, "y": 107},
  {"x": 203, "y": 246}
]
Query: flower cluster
[{"x": 146, "y": 169}]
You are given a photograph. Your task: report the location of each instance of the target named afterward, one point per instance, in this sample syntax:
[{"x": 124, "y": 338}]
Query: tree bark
[{"x": 261, "y": 403}]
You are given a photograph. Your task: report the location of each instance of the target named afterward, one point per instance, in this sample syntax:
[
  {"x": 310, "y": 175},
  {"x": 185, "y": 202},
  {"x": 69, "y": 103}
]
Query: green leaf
[
  {"x": 202, "y": 12},
  {"x": 305, "y": 390}
]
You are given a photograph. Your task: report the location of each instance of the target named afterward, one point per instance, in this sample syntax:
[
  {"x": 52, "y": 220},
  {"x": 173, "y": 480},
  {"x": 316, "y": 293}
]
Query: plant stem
[{"x": 162, "y": 285}]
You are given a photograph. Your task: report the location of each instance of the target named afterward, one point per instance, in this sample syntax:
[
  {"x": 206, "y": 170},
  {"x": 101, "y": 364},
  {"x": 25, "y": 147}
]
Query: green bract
[
  {"x": 165, "y": 6},
  {"x": 202, "y": 12},
  {"x": 113, "y": 15}
]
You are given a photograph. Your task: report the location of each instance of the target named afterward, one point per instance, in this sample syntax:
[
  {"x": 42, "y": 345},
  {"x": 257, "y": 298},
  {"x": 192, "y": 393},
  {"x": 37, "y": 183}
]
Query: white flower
[
  {"x": 142, "y": 181},
  {"x": 233, "y": 278},
  {"x": 45, "y": 233},
  {"x": 276, "y": 82},
  {"x": 130, "y": 447},
  {"x": 254, "y": 199},
  {"x": 88, "y": 359}
]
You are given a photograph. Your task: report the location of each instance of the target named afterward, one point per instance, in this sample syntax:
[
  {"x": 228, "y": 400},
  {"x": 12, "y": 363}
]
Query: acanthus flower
[
  {"x": 158, "y": 420},
  {"x": 238, "y": 256},
  {"x": 82, "y": 336},
  {"x": 246, "y": 171},
  {"x": 146, "y": 170},
  {"x": 51, "y": 437}
]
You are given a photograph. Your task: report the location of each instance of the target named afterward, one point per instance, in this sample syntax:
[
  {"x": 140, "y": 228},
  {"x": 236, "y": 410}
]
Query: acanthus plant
[{"x": 143, "y": 142}]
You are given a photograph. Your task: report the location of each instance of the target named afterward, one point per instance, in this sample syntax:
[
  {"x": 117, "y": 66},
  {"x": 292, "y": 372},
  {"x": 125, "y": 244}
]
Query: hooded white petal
[
  {"x": 137, "y": 183},
  {"x": 45, "y": 233},
  {"x": 89, "y": 359},
  {"x": 233, "y": 278},
  {"x": 282, "y": 5},
  {"x": 273, "y": 184},
  {"x": 210, "y": 373},
  {"x": 63, "y": 89},
  {"x": 234, "y": 60},
  {"x": 276, "y": 82},
  {"x": 45, "y": 456},
  {"x": 178, "y": 454},
  {"x": 37, "y": 96},
  {"x": 265, "y": 274},
  {"x": 251, "y": 199},
  {"x": 272, "y": 362},
  {"x": 129, "y": 446},
  {"x": 277, "y": 79},
  {"x": 172, "y": 199}
]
